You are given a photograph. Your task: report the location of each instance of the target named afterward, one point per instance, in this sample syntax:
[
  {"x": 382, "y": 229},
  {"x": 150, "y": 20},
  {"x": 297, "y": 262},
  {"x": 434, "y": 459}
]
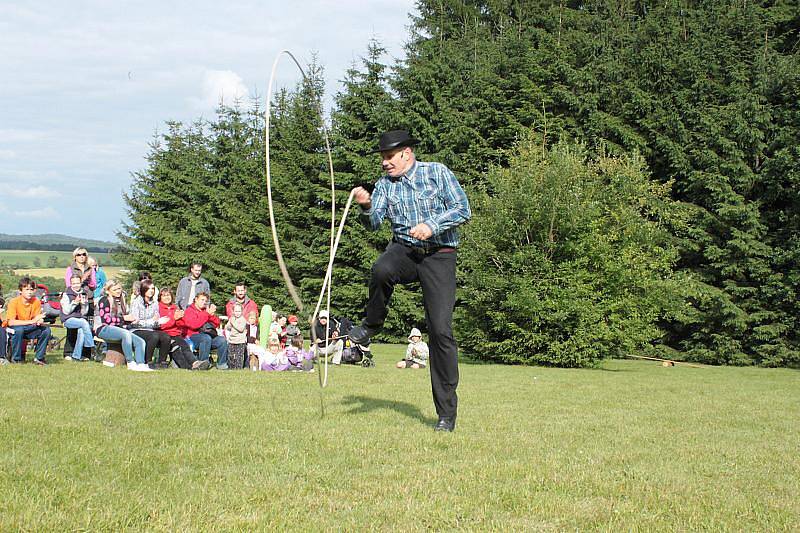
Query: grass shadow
[{"x": 365, "y": 404}]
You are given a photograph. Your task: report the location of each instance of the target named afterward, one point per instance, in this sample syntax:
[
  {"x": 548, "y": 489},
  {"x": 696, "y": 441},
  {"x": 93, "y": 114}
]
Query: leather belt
[{"x": 424, "y": 250}]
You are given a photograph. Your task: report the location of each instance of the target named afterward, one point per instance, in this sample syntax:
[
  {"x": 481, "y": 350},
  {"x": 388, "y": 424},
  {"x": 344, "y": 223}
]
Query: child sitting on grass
[
  {"x": 416, "y": 352},
  {"x": 275, "y": 359},
  {"x": 299, "y": 359}
]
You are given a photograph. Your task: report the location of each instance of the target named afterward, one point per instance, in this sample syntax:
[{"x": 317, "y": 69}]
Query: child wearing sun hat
[{"x": 416, "y": 352}]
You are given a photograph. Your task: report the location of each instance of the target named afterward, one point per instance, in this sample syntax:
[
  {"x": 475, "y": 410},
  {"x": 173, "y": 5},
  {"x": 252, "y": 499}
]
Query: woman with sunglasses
[{"x": 80, "y": 267}]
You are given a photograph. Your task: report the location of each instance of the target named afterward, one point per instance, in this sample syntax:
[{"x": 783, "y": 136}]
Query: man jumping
[{"x": 425, "y": 204}]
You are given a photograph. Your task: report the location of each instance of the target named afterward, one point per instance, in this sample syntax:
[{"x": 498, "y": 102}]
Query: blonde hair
[{"x": 111, "y": 284}]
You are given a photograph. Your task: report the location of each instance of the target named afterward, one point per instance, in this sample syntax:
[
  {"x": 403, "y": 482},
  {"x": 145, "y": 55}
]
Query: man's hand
[
  {"x": 363, "y": 197},
  {"x": 179, "y": 314},
  {"x": 212, "y": 309},
  {"x": 421, "y": 232}
]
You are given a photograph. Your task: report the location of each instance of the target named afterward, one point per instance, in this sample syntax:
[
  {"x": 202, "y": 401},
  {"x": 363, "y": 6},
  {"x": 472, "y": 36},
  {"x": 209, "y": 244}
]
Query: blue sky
[{"x": 86, "y": 84}]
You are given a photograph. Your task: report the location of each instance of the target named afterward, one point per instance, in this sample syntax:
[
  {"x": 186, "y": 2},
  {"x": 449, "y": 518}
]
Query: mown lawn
[{"x": 630, "y": 446}]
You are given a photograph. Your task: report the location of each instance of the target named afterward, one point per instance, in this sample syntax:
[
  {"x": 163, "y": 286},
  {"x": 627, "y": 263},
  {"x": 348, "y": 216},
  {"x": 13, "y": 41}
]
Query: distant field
[
  {"x": 43, "y": 258},
  {"x": 58, "y": 273}
]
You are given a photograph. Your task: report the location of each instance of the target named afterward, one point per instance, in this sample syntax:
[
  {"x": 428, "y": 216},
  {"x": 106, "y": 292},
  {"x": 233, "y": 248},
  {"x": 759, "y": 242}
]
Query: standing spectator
[
  {"x": 110, "y": 319},
  {"x": 327, "y": 341},
  {"x": 293, "y": 330},
  {"x": 280, "y": 328},
  {"x": 192, "y": 285},
  {"x": 75, "y": 315},
  {"x": 256, "y": 353},
  {"x": 146, "y": 323},
  {"x": 99, "y": 276},
  {"x": 180, "y": 351},
  {"x": 25, "y": 316},
  {"x": 236, "y": 330},
  {"x": 80, "y": 266},
  {"x": 195, "y": 319},
  {"x": 240, "y": 297}
]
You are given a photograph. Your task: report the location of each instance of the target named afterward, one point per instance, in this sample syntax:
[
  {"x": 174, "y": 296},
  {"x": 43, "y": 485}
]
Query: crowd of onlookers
[{"x": 183, "y": 326}]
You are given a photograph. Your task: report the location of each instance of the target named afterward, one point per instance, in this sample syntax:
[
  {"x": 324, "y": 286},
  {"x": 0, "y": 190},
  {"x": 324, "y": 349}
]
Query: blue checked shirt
[{"x": 429, "y": 193}]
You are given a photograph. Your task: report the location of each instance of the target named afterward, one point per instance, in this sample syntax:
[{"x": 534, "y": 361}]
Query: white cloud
[
  {"x": 48, "y": 213},
  {"x": 38, "y": 191},
  {"x": 7, "y": 154},
  {"x": 220, "y": 85}
]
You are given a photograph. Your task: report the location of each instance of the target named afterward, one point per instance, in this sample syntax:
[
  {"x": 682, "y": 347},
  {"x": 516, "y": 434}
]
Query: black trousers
[
  {"x": 153, "y": 338},
  {"x": 436, "y": 272},
  {"x": 181, "y": 353}
]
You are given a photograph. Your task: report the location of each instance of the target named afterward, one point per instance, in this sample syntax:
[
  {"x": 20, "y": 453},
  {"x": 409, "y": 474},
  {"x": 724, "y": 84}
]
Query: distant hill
[{"x": 53, "y": 241}]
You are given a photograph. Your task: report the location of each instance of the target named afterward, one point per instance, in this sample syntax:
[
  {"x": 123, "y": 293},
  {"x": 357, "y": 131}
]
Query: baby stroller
[
  {"x": 51, "y": 303},
  {"x": 353, "y": 353}
]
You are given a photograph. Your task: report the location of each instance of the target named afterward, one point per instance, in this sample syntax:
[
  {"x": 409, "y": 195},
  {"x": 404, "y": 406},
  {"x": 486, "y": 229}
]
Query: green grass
[{"x": 630, "y": 446}]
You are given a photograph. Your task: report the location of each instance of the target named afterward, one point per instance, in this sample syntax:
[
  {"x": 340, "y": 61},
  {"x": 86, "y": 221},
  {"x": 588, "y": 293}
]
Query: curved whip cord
[{"x": 334, "y": 241}]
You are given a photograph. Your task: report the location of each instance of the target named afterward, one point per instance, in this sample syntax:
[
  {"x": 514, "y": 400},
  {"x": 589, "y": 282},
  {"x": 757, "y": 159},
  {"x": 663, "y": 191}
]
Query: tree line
[{"x": 633, "y": 168}]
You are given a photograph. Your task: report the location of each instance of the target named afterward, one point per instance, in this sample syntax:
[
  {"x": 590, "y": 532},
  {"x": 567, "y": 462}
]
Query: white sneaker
[
  {"x": 142, "y": 367},
  {"x": 132, "y": 365},
  {"x": 67, "y": 358}
]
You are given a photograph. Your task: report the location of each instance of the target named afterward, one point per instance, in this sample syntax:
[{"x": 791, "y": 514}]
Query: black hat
[{"x": 395, "y": 139}]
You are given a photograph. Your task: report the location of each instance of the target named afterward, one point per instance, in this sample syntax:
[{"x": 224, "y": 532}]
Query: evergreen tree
[{"x": 577, "y": 269}]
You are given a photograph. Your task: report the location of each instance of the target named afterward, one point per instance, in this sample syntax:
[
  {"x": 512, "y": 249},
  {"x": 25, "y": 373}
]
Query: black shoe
[
  {"x": 445, "y": 423},
  {"x": 361, "y": 335}
]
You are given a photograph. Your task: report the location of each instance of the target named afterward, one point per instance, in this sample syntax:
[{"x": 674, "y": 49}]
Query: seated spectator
[
  {"x": 275, "y": 359},
  {"x": 256, "y": 353},
  {"x": 236, "y": 331},
  {"x": 326, "y": 339},
  {"x": 80, "y": 267},
  {"x": 3, "y": 333},
  {"x": 135, "y": 288},
  {"x": 298, "y": 358},
  {"x": 416, "y": 352},
  {"x": 190, "y": 286},
  {"x": 240, "y": 297},
  {"x": 195, "y": 319},
  {"x": 99, "y": 276},
  {"x": 25, "y": 317},
  {"x": 75, "y": 314},
  {"x": 181, "y": 353},
  {"x": 146, "y": 323},
  {"x": 109, "y": 325}
]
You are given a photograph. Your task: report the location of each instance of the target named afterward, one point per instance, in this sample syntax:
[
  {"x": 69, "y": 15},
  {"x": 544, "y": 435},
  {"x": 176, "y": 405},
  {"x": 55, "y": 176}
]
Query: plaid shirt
[{"x": 429, "y": 193}]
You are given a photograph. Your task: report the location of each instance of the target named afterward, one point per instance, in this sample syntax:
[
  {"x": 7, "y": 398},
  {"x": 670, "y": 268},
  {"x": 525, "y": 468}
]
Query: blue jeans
[
  {"x": 85, "y": 337},
  {"x": 204, "y": 343},
  {"x": 132, "y": 345},
  {"x": 3, "y": 342},
  {"x": 40, "y": 333}
]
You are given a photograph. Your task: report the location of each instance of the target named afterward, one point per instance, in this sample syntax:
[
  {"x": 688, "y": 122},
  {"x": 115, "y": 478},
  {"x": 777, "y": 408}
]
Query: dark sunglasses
[{"x": 76, "y": 255}]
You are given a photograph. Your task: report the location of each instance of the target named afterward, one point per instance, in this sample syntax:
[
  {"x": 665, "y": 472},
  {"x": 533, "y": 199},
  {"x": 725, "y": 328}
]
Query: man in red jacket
[
  {"x": 240, "y": 297},
  {"x": 195, "y": 317}
]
